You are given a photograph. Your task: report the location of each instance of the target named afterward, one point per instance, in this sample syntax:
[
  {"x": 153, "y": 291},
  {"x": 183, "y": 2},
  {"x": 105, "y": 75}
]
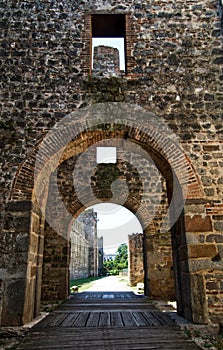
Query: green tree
[
  {"x": 113, "y": 267},
  {"x": 109, "y": 266},
  {"x": 121, "y": 259}
]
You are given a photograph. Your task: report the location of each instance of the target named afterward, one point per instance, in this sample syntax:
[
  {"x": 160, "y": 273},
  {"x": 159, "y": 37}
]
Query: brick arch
[
  {"x": 154, "y": 142},
  {"x": 89, "y": 138},
  {"x": 165, "y": 159},
  {"x": 163, "y": 151}
]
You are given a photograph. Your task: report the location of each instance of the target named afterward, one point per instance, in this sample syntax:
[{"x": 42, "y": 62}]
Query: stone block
[
  {"x": 17, "y": 223},
  {"x": 192, "y": 238},
  {"x": 209, "y": 192},
  {"x": 22, "y": 242},
  {"x": 218, "y": 238},
  {"x": 198, "y": 224},
  {"x": 13, "y": 302},
  {"x": 220, "y": 250},
  {"x": 34, "y": 241},
  {"x": 195, "y": 209},
  {"x": 218, "y": 217},
  {"x": 29, "y": 300},
  {"x": 35, "y": 223},
  {"x": 198, "y": 300},
  {"x": 212, "y": 285},
  {"x": 207, "y": 181},
  {"x": 184, "y": 297},
  {"x": 19, "y": 206},
  {"x": 218, "y": 226},
  {"x": 183, "y": 253},
  {"x": 202, "y": 250},
  {"x": 195, "y": 265}
]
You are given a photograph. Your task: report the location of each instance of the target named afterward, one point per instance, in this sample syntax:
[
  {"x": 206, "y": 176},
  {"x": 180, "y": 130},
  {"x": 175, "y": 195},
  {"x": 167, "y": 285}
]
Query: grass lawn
[{"x": 84, "y": 283}]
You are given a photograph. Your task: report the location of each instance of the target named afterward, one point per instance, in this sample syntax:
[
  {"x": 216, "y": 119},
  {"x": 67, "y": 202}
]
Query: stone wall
[
  {"x": 79, "y": 252},
  {"x": 82, "y": 248},
  {"x": 55, "y": 274},
  {"x": 41, "y": 64},
  {"x": 73, "y": 255},
  {"x": 174, "y": 69},
  {"x": 158, "y": 263},
  {"x": 135, "y": 259},
  {"x": 89, "y": 220},
  {"x": 160, "y": 266}
]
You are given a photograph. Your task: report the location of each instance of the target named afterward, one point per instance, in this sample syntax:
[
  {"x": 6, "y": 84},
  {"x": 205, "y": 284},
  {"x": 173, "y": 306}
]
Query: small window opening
[
  {"x": 108, "y": 45},
  {"x": 106, "y": 155}
]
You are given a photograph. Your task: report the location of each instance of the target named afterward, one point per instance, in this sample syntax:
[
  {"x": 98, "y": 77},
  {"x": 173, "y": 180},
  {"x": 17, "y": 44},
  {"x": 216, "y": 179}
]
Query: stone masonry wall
[
  {"x": 89, "y": 220},
  {"x": 174, "y": 68},
  {"x": 136, "y": 259},
  {"x": 159, "y": 266},
  {"x": 179, "y": 77},
  {"x": 144, "y": 178},
  {"x": 79, "y": 252}
]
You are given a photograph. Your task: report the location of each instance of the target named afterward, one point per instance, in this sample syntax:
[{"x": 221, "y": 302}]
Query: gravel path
[{"x": 110, "y": 283}]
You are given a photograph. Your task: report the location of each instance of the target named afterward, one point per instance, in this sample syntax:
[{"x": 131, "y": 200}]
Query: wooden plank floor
[{"x": 106, "y": 320}]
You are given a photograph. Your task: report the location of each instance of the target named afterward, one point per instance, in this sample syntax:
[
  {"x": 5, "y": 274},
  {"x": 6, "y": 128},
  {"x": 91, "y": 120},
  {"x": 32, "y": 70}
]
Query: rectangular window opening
[
  {"x": 106, "y": 155},
  {"x": 108, "y": 45}
]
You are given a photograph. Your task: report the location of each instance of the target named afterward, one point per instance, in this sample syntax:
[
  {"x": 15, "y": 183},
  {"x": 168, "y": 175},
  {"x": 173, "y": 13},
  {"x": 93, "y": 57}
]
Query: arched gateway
[
  {"x": 168, "y": 168},
  {"x": 45, "y": 198}
]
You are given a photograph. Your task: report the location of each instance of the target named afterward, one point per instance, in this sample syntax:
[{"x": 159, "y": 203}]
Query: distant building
[
  {"x": 86, "y": 248},
  {"x": 100, "y": 255},
  {"x": 106, "y": 61},
  {"x": 109, "y": 257},
  {"x": 89, "y": 220},
  {"x": 79, "y": 262}
]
